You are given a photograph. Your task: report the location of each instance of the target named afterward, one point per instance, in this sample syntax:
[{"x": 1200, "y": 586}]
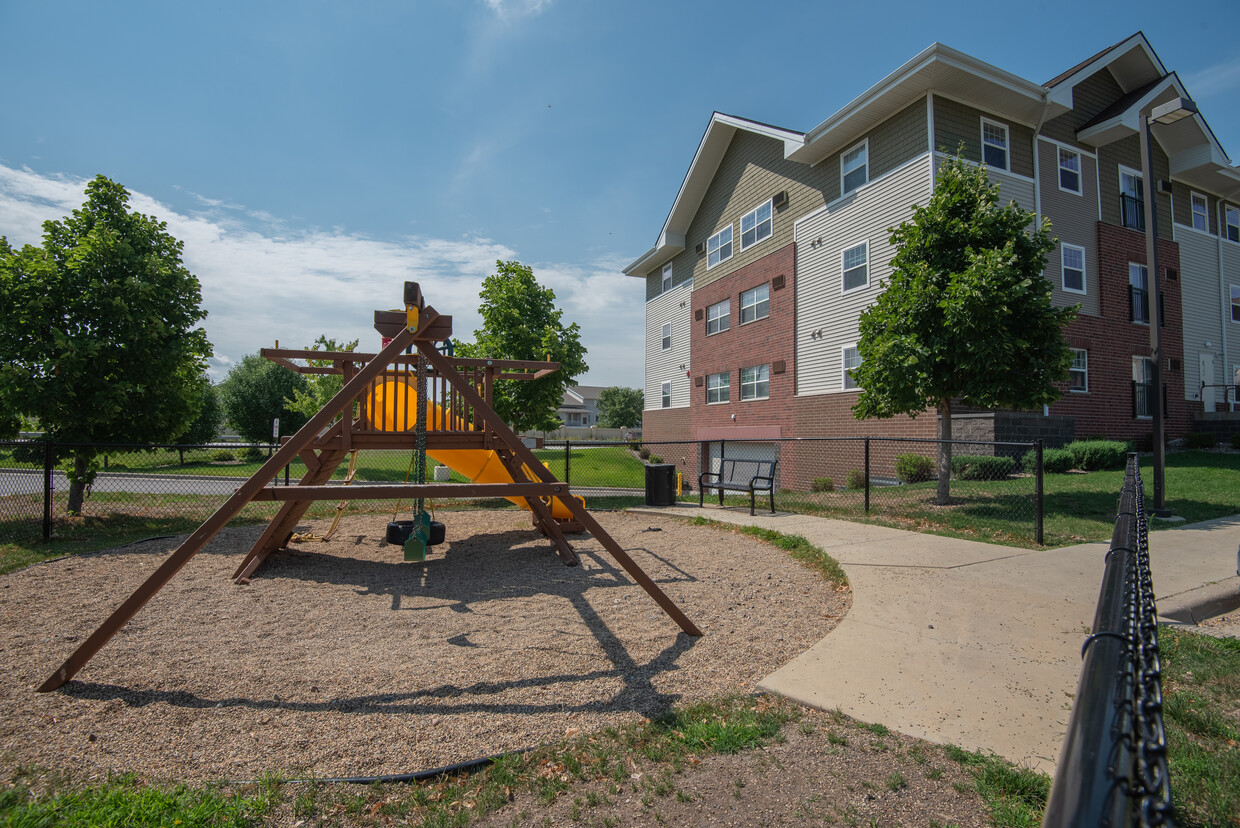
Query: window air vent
[
  {"x": 697, "y": 381},
  {"x": 778, "y": 282},
  {"x": 1172, "y": 274},
  {"x": 780, "y": 200},
  {"x": 697, "y": 314},
  {"x": 1175, "y": 365},
  {"x": 1164, "y": 186},
  {"x": 700, "y": 249},
  {"x": 778, "y": 366}
]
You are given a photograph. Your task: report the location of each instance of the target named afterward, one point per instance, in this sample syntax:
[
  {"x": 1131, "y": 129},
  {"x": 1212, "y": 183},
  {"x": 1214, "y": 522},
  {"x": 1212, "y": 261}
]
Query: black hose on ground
[{"x": 418, "y": 776}]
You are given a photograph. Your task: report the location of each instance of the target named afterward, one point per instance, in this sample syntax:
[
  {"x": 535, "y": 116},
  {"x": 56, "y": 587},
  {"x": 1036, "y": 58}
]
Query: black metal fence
[
  {"x": 1113, "y": 767},
  {"x": 993, "y": 486}
]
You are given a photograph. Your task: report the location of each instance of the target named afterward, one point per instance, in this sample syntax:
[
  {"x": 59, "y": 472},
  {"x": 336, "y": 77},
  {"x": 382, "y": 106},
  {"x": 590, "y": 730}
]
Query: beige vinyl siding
[
  {"x": 1074, "y": 219},
  {"x": 1090, "y": 97},
  {"x": 664, "y": 366},
  {"x": 1127, "y": 152},
  {"x": 896, "y": 140},
  {"x": 955, "y": 123},
  {"x": 753, "y": 170},
  {"x": 1182, "y": 206},
  {"x": 682, "y": 272},
  {"x": 821, "y": 302},
  {"x": 1199, "y": 292}
]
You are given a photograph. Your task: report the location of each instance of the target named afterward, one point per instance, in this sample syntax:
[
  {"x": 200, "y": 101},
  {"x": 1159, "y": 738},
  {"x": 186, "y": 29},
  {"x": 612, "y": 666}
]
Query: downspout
[{"x": 1225, "y": 307}]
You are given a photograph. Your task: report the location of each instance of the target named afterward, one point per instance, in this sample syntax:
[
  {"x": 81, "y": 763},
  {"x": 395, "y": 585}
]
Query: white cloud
[
  {"x": 275, "y": 283},
  {"x": 505, "y": 9},
  {"x": 1214, "y": 80}
]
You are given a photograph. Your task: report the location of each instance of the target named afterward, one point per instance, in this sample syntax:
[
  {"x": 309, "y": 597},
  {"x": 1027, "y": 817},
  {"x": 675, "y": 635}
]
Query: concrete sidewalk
[{"x": 970, "y": 643}]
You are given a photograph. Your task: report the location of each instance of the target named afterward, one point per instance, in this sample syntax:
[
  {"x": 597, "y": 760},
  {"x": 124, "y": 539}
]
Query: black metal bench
[{"x": 740, "y": 476}]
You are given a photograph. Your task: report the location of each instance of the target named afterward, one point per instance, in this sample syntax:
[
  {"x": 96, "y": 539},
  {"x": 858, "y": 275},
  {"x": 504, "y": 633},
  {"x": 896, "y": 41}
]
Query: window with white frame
[
  {"x": 717, "y": 390},
  {"x": 1069, "y": 170},
  {"x": 851, "y": 360},
  {"x": 719, "y": 247},
  {"x": 994, "y": 144},
  {"x": 1078, "y": 373},
  {"x": 756, "y": 226},
  {"x": 755, "y": 382},
  {"x": 667, "y": 336},
  {"x": 1201, "y": 219},
  {"x": 1142, "y": 387},
  {"x": 1073, "y": 260},
  {"x": 1233, "y": 222},
  {"x": 1138, "y": 292},
  {"x": 665, "y": 395},
  {"x": 667, "y": 277},
  {"x": 756, "y": 303},
  {"x": 1235, "y": 303},
  {"x": 854, "y": 168},
  {"x": 717, "y": 317},
  {"x": 856, "y": 265}
]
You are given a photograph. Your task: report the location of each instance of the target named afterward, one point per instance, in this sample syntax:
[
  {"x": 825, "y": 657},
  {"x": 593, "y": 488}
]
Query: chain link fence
[{"x": 993, "y": 486}]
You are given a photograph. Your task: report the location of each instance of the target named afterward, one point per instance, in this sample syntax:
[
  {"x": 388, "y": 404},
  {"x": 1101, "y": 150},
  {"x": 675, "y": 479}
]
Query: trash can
[{"x": 660, "y": 484}]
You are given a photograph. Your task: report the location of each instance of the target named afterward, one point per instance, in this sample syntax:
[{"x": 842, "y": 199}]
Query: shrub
[
  {"x": 855, "y": 479},
  {"x": 1235, "y": 440},
  {"x": 1098, "y": 455},
  {"x": 1054, "y": 461},
  {"x": 823, "y": 484},
  {"x": 1201, "y": 440},
  {"x": 982, "y": 466},
  {"x": 252, "y": 454},
  {"x": 644, "y": 453},
  {"x": 915, "y": 468},
  {"x": 223, "y": 456},
  {"x": 654, "y": 458}
]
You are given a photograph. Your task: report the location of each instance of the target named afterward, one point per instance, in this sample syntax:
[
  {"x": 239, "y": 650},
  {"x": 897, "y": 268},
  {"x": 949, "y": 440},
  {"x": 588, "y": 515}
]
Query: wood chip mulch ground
[{"x": 339, "y": 659}]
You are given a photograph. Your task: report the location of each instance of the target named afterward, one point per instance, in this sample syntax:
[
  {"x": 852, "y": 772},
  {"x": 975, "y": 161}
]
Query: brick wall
[{"x": 1112, "y": 340}]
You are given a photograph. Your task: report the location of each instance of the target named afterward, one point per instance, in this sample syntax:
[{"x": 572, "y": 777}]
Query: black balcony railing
[{"x": 1132, "y": 212}]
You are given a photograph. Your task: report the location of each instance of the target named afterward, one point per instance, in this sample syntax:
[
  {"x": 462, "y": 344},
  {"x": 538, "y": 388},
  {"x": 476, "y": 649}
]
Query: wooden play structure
[{"x": 408, "y": 396}]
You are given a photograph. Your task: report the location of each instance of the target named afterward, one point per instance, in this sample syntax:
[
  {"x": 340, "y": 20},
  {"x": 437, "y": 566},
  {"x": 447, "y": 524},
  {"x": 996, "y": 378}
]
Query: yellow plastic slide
[{"x": 386, "y": 409}]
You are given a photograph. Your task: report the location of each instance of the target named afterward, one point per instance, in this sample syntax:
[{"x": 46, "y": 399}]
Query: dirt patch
[{"x": 340, "y": 659}]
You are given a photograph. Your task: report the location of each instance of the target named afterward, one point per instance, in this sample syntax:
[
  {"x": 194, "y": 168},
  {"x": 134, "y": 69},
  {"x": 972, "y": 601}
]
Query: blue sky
[{"x": 313, "y": 156}]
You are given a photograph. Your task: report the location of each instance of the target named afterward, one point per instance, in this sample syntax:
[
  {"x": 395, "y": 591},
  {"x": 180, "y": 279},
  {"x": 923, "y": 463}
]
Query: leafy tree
[
  {"x": 98, "y": 328},
  {"x": 520, "y": 321},
  {"x": 206, "y": 426},
  {"x": 620, "y": 407},
  {"x": 966, "y": 314},
  {"x": 319, "y": 388},
  {"x": 257, "y": 391}
]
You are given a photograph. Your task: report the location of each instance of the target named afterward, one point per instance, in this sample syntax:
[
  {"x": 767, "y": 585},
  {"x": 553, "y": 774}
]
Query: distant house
[{"x": 580, "y": 406}]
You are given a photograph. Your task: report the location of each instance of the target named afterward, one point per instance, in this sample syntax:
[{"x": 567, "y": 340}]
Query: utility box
[{"x": 660, "y": 484}]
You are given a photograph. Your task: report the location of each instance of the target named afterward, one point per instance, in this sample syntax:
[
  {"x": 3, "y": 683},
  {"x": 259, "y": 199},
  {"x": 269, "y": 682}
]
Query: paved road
[{"x": 31, "y": 482}]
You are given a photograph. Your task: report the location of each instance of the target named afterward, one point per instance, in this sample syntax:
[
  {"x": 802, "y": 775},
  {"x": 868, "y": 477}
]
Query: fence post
[
  {"x": 566, "y": 458},
  {"x": 47, "y": 489},
  {"x": 867, "y": 475},
  {"x": 1039, "y": 499}
]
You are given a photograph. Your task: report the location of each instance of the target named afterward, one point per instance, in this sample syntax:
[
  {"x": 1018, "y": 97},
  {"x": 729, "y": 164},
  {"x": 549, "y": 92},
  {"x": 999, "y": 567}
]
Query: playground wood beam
[{"x": 211, "y": 527}]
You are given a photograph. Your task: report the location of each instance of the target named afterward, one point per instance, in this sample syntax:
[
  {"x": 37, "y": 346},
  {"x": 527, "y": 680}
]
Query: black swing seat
[{"x": 399, "y": 531}]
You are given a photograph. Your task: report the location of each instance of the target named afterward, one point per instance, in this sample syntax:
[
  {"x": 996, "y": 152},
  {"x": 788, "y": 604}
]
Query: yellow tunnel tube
[{"x": 386, "y": 409}]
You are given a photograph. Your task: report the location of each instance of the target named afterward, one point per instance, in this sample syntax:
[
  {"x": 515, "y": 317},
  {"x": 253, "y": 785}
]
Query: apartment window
[
  {"x": 856, "y": 266},
  {"x": 1142, "y": 387},
  {"x": 1233, "y": 223},
  {"x": 1073, "y": 261},
  {"x": 719, "y": 247},
  {"x": 665, "y": 395},
  {"x": 667, "y": 336},
  {"x": 1138, "y": 293},
  {"x": 855, "y": 167},
  {"x": 667, "y": 277},
  {"x": 994, "y": 145},
  {"x": 1078, "y": 373},
  {"x": 1131, "y": 199},
  {"x": 1069, "y": 171},
  {"x": 1235, "y": 303},
  {"x": 755, "y": 382},
  {"x": 717, "y": 390},
  {"x": 1200, "y": 220},
  {"x": 756, "y": 226},
  {"x": 756, "y": 304},
  {"x": 717, "y": 317},
  {"x": 850, "y": 361}
]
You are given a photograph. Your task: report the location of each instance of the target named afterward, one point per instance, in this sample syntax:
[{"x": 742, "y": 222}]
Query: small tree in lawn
[
  {"x": 99, "y": 332},
  {"x": 318, "y": 390},
  {"x": 966, "y": 314},
  {"x": 620, "y": 407},
  {"x": 257, "y": 391},
  {"x": 520, "y": 321}
]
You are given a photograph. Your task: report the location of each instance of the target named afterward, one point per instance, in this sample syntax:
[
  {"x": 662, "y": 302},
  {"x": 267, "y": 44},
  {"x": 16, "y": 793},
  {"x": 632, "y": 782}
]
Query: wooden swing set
[{"x": 373, "y": 410}]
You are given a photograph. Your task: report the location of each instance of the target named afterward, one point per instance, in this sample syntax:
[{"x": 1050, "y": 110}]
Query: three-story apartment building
[{"x": 778, "y": 240}]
